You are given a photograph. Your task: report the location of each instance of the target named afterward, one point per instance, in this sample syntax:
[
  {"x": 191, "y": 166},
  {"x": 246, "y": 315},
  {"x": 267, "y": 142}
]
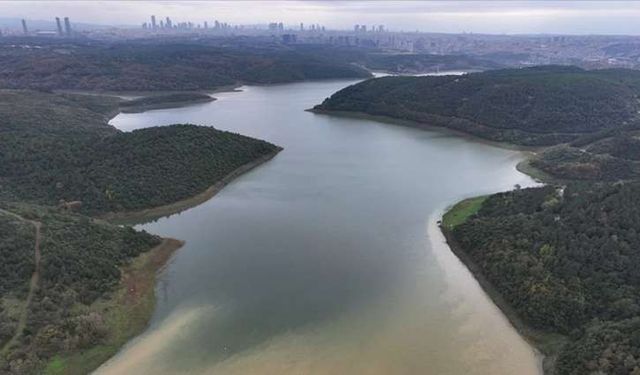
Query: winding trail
[{"x": 33, "y": 285}]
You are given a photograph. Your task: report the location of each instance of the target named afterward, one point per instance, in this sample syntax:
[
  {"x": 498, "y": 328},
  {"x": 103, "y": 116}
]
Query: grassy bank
[
  {"x": 546, "y": 344},
  {"x": 126, "y": 313},
  {"x": 461, "y": 211}
]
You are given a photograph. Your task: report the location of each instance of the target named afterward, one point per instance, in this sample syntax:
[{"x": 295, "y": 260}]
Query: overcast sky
[{"x": 570, "y": 17}]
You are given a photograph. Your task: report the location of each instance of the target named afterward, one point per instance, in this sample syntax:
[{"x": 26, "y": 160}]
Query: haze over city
[{"x": 495, "y": 17}]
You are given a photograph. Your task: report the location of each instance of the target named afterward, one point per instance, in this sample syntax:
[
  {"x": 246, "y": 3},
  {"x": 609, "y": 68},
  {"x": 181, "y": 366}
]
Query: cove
[{"x": 328, "y": 258}]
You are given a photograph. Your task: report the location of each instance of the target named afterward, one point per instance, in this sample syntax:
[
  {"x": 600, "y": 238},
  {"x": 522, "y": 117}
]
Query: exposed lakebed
[{"x": 328, "y": 258}]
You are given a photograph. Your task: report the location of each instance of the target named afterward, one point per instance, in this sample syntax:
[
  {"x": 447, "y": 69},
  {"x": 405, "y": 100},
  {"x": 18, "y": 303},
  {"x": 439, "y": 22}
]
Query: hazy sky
[{"x": 573, "y": 17}]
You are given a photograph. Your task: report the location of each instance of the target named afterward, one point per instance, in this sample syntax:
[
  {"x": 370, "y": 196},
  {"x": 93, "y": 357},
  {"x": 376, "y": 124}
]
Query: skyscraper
[
  {"x": 59, "y": 24},
  {"x": 153, "y": 22},
  {"x": 24, "y": 27},
  {"x": 168, "y": 23},
  {"x": 67, "y": 26}
]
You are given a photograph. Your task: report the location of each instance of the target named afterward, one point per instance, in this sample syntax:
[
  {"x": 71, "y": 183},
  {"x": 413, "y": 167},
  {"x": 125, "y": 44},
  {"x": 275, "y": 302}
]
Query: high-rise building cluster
[
  {"x": 169, "y": 25},
  {"x": 363, "y": 28},
  {"x": 67, "y": 26},
  {"x": 276, "y": 26},
  {"x": 67, "y": 31}
]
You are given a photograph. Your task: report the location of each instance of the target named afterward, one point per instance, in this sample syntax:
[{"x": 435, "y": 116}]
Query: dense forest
[
  {"x": 612, "y": 156},
  {"x": 538, "y": 106},
  {"x": 192, "y": 64},
  {"x": 179, "y": 65},
  {"x": 79, "y": 266},
  {"x": 58, "y": 154},
  {"x": 49, "y": 154},
  {"x": 567, "y": 259}
]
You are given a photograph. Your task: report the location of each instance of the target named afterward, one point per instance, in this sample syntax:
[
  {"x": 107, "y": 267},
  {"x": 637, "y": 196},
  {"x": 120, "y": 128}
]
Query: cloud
[{"x": 573, "y": 17}]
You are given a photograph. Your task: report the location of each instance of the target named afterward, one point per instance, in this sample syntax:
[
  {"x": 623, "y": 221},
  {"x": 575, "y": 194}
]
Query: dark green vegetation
[
  {"x": 568, "y": 261},
  {"x": 72, "y": 309},
  {"x": 565, "y": 260},
  {"x": 590, "y": 116},
  {"x": 610, "y": 157},
  {"x": 164, "y": 101},
  {"x": 61, "y": 149},
  {"x": 539, "y": 106},
  {"x": 153, "y": 65},
  {"x": 79, "y": 266},
  {"x": 193, "y": 64}
]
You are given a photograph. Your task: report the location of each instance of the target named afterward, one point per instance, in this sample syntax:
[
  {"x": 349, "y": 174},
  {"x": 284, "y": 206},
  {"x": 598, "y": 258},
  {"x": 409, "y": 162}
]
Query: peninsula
[
  {"x": 591, "y": 117},
  {"x": 75, "y": 287}
]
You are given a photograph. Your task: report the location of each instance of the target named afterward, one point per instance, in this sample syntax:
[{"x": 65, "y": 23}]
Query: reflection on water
[{"x": 327, "y": 259}]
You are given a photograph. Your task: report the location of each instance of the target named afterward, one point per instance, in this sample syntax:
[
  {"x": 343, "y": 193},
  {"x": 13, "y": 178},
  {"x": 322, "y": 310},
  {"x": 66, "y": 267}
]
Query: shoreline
[
  {"x": 130, "y": 308},
  {"x": 149, "y": 214},
  {"x": 451, "y": 72},
  {"x": 536, "y": 174},
  {"x": 142, "y": 93},
  {"x": 165, "y": 105},
  {"x": 132, "y": 95},
  {"x": 126, "y": 312},
  {"x": 426, "y": 126},
  {"x": 545, "y": 344},
  {"x": 523, "y": 166}
]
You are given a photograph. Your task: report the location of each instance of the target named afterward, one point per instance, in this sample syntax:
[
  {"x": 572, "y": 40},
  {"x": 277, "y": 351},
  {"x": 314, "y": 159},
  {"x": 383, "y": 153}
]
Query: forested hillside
[
  {"x": 536, "y": 106},
  {"x": 568, "y": 261},
  {"x": 73, "y": 289},
  {"x": 420, "y": 63},
  {"x": 180, "y": 65},
  {"x": 610, "y": 156},
  {"x": 79, "y": 266},
  {"x": 49, "y": 154}
]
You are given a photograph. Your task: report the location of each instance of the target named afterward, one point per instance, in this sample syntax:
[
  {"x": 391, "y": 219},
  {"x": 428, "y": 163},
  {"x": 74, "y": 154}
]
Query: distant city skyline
[{"x": 492, "y": 17}]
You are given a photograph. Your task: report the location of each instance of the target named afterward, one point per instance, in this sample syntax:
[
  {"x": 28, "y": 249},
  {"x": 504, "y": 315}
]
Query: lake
[{"x": 327, "y": 259}]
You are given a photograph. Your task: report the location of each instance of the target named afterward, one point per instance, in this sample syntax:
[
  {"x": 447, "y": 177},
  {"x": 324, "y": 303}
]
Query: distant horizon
[
  {"x": 17, "y": 26},
  {"x": 442, "y": 17}
]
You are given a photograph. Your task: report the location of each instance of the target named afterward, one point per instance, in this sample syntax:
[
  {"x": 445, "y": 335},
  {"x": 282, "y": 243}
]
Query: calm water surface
[{"x": 327, "y": 259}]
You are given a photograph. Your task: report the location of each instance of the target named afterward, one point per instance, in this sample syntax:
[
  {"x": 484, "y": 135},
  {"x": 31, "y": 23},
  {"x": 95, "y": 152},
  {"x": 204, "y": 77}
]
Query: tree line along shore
[
  {"x": 560, "y": 260},
  {"x": 89, "y": 287},
  {"x": 584, "y": 124},
  {"x": 66, "y": 175},
  {"x": 63, "y": 170}
]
